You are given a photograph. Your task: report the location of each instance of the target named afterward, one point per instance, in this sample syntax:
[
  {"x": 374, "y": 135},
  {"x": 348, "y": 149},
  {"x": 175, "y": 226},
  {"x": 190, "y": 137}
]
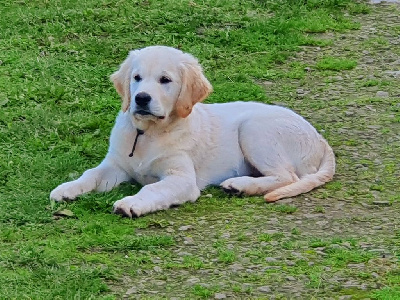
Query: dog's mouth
[{"x": 143, "y": 112}]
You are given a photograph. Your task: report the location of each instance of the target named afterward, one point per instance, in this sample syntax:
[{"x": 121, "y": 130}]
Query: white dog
[{"x": 174, "y": 146}]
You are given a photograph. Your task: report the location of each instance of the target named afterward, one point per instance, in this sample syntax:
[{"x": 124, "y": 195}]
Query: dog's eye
[
  {"x": 137, "y": 78},
  {"x": 164, "y": 80}
]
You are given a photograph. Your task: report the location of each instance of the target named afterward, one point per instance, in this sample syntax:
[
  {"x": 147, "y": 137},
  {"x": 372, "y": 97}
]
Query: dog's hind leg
[
  {"x": 290, "y": 156},
  {"x": 257, "y": 185},
  {"x": 262, "y": 145}
]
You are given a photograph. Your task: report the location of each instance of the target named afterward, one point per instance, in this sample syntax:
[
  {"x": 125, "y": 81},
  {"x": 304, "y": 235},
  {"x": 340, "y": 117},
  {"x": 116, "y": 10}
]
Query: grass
[
  {"x": 57, "y": 107},
  {"x": 336, "y": 64}
]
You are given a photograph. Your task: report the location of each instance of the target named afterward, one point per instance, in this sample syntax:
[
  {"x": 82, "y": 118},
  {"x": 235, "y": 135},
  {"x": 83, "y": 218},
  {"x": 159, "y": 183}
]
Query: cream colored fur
[{"x": 245, "y": 147}]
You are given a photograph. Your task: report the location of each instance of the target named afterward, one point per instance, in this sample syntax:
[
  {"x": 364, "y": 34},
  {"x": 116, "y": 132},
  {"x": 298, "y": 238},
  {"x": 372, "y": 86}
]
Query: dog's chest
[{"x": 141, "y": 165}]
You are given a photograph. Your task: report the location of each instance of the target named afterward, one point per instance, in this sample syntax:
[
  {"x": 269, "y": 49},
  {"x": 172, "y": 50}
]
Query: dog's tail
[{"x": 308, "y": 182}]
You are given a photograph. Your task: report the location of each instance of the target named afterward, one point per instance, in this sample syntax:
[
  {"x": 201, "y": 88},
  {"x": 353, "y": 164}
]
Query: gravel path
[{"x": 339, "y": 242}]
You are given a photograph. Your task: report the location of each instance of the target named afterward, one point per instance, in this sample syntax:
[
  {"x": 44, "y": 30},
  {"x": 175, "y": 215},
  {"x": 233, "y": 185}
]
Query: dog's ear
[
  {"x": 195, "y": 87},
  {"x": 122, "y": 80}
]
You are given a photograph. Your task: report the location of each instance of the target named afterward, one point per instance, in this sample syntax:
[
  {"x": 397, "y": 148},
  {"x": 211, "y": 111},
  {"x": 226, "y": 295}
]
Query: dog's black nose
[{"x": 142, "y": 99}]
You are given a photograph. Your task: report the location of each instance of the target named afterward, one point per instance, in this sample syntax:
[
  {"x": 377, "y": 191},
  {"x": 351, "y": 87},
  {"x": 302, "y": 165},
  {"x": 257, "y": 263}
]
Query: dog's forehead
[{"x": 158, "y": 60}]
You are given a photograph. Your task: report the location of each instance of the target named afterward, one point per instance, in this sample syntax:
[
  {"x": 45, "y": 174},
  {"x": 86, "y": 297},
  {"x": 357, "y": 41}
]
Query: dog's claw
[
  {"x": 133, "y": 214},
  {"x": 121, "y": 212},
  {"x": 232, "y": 191}
]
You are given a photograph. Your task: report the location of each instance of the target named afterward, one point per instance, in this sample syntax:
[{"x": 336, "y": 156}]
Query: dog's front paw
[
  {"x": 128, "y": 207},
  {"x": 66, "y": 191}
]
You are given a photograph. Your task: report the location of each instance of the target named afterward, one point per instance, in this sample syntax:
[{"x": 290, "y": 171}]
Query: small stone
[
  {"x": 307, "y": 69},
  {"x": 208, "y": 195},
  {"x": 273, "y": 221},
  {"x": 375, "y": 275},
  {"x": 393, "y": 73},
  {"x": 300, "y": 91},
  {"x": 321, "y": 223},
  {"x": 383, "y": 203},
  {"x": 193, "y": 280},
  {"x": 219, "y": 296},
  {"x": 356, "y": 266},
  {"x": 345, "y": 297},
  {"x": 321, "y": 253},
  {"x": 236, "y": 267},
  {"x": 285, "y": 201},
  {"x": 270, "y": 259},
  {"x": 157, "y": 269},
  {"x": 271, "y": 231},
  {"x": 264, "y": 289},
  {"x": 347, "y": 245},
  {"x": 132, "y": 290},
  {"x": 188, "y": 240},
  {"x": 185, "y": 228},
  {"x": 290, "y": 278},
  {"x": 366, "y": 205},
  {"x": 382, "y": 94}
]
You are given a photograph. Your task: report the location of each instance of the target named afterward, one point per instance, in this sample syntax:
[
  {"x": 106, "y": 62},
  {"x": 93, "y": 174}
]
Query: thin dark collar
[{"x": 138, "y": 132}]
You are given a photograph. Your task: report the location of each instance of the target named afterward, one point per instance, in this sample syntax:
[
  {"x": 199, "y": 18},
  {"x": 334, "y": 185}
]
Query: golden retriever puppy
[{"x": 175, "y": 146}]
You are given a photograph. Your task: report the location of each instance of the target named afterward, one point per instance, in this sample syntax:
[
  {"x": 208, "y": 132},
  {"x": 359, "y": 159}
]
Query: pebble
[
  {"x": 285, "y": 201},
  {"x": 382, "y": 94},
  {"x": 264, "y": 289},
  {"x": 236, "y": 267},
  {"x": 290, "y": 278},
  {"x": 219, "y": 296},
  {"x": 193, "y": 280},
  {"x": 132, "y": 290},
  {"x": 377, "y": 202},
  {"x": 185, "y": 228},
  {"x": 270, "y": 259},
  {"x": 188, "y": 241},
  {"x": 157, "y": 269},
  {"x": 338, "y": 78},
  {"x": 268, "y": 83},
  {"x": 380, "y": 1},
  {"x": 356, "y": 266}
]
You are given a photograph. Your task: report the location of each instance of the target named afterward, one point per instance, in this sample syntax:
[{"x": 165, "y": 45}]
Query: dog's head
[{"x": 158, "y": 82}]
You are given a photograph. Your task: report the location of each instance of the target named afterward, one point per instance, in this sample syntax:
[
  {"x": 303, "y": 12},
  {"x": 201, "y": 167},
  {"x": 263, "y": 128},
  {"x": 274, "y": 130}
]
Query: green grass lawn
[{"x": 57, "y": 107}]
